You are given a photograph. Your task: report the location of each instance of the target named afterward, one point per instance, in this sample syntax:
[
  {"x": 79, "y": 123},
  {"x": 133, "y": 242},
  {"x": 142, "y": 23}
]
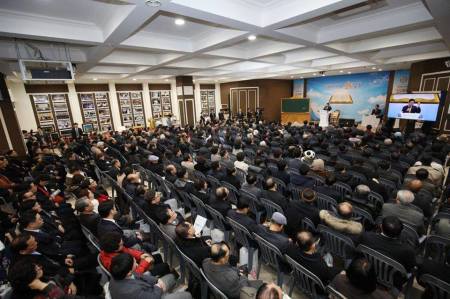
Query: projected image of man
[{"x": 411, "y": 108}]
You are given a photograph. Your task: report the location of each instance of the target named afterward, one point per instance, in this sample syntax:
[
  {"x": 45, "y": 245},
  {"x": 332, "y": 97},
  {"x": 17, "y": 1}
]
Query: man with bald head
[
  {"x": 304, "y": 251},
  {"x": 274, "y": 195},
  {"x": 269, "y": 291},
  {"x": 221, "y": 202},
  {"x": 404, "y": 209},
  {"x": 342, "y": 222}
]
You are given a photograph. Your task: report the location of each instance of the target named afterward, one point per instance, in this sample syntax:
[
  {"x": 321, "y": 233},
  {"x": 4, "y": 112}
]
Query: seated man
[
  {"x": 274, "y": 195},
  {"x": 306, "y": 207},
  {"x": 107, "y": 211},
  {"x": 217, "y": 171},
  {"x": 269, "y": 291},
  {"x": 191, "y": 244},
  {"x": 201, "y": 190},
  {"x": 169, "y": 221},
  {"x": 239, "y": 163},
  {"x": 422, "y": 198},
  {"x": 405, "y": 210},
  {"x": 282, "y": 173},
  {"x": 231, "y": 178},
  {"x": 343, "y": 222},
  {"x": 304, "y": 252},
  {"x": 183, "y": 183},
  {"x": 360, "y": 198},
  {"x": 303, "y": 180},
  {"x": 88, "y": 218},
  {"x": 226, "y": 278},
  {"x": 250, "y": 185},
  {"x": 327, "y": 188},
  {"x": 240, "y": 215},
  {"x": 126, "y": 283},
  {"x": 389, "y": 243},
  {"x": 221, "y": 202},
  {"x": 153, "y": 206},
  {"x": 171, "y": 173},
  {"x": 359, "y": 281},
  {"x": 111, "y": 244}
]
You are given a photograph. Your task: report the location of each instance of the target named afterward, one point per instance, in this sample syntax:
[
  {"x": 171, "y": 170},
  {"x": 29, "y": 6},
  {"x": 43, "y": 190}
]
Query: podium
[
  {"x": 370, "y": 120},
  {"x": 324, "y": 118}
]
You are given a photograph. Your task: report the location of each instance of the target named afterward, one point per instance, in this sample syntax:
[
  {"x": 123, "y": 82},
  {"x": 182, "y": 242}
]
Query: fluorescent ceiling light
[
  {"x": 380, "y": 70},
  {"x": 95, "y": 79},
  {"x": 134, "y": 79},
  {"x": 374, "y": 68},
  {"x": 180, "y": 22},
  {"x": 341, "y": 71},
  {"x": 252, "y": 37}
]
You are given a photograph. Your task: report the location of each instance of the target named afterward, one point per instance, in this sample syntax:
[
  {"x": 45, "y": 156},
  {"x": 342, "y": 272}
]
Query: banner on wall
[
  {"x": 298, "y": 88},
  {"x": 353, "y": 95},
  {"x": 401, "y": 79}
]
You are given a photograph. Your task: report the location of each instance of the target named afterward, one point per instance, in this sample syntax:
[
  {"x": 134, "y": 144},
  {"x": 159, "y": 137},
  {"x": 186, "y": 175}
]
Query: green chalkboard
[{"x": 291, "y": 105}]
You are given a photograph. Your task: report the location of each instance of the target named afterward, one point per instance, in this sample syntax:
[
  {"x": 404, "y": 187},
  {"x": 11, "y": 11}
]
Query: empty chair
[
  {"x": 358, "y": 177},
  {"x": 385, "y": 267},
  {"x": 343, "y": 188},
  {"x": 325, "y": 202},
  {"x": 390, "y": 186},
  {"x": 195, "y": 274},
  {"x": 362, "y": 214},
  {"x": 439, "y": 289},
  {"x": 217, "y": 294},
  {"x": 242, "y": 237},
  {"x": 375, "y": 199},
  {"x": 306, "y": 281},
  {"x": 338, "y": 244},
  {"x": 437, "y": 248},
  {"x": 218, "y": 221},
  {"x": 270, "y": 207},
  {"x": 271, "y": 256}
]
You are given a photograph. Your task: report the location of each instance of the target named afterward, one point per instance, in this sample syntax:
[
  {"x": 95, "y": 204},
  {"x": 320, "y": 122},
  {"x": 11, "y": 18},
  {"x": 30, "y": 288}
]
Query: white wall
[{"x": 27, "y": 120}]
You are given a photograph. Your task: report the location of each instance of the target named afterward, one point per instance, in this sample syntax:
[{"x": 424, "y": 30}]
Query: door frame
[{"x": 239, "y": 97}]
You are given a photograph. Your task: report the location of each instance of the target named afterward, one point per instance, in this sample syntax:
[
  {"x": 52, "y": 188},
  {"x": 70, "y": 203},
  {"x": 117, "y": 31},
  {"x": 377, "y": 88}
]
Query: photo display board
[
  {"x": 96, "y": 110},
  {"x": 208, "y": 101},
  {"x": 52, "y": 112},
  {"x": 161, "y": 103},
  {"x": 131, "y": 108}
]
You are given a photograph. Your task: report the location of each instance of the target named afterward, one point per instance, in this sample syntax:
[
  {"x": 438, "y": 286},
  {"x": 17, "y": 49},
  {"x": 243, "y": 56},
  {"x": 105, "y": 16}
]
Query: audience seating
[
  {"x": 271, "y": 256},
  {"x": 215, "y": 291},
  {"x": 270, "y": 207},
  {"x": 242, "y": 237},
  {"x": 439, "y": 289},
  {"x": 336, "y": 243}
]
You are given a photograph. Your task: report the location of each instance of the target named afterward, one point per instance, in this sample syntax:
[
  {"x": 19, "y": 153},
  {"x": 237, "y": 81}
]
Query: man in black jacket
[
  {"x": 274, "y": 195},
  {"x": 188, "y": 240},
  {"x": 304, "y": 251},
  {"x": 76, "y": 132},
  {"x": 88, "y": 218},
  {"x": 240, "y": 215},
  {"x": 297, "y": 210},
  {"x": 221, "y": 202},
  {"x": 231, "y": 178}
]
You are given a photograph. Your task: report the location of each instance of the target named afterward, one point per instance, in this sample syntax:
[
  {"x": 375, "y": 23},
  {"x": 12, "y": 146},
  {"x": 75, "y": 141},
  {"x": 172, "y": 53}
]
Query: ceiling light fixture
[
  {"x": 314, "y": 74},
  {"x": 374, "y": 68},
  {"x": 341, "y": 71},
  {"x": 349, "y": 72},
  {"x": 252, "y": 37},
  {"x": 134, "y": 79},
  {"x": 95, "y": 79},
  {"x": 292, "y": 76},
  {"x": 301, "y": 77},
  {"x": 323, "y": 75},
  {"x": 380, "y": 70},
  {"x": 180, "y": 22},
  {"x": 153, "y": 3},
  {"x": 167, "y": 80}
]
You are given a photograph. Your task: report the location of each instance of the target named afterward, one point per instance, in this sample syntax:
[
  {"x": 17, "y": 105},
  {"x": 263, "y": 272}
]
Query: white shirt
[{"x": 241, "y": 165}]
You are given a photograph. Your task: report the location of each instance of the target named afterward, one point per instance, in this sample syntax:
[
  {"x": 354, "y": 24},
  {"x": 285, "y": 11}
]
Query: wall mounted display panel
[
  {"x": 96, "y": 110},
  {"x": 131, "y": 108},
  {"x": 52, "y": 112}
]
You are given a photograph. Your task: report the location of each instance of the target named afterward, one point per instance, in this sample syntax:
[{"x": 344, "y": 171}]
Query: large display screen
[{"x": 415, "y": 106}]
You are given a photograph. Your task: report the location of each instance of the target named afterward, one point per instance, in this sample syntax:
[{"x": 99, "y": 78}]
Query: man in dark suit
[
  {"x": 282, "y": 174},
  {"x": 274, "y": 195},
  {"x": 77, "y": 133},
  {"x": 231, "y": 178},
  {"x": 107, "y": 211},
  {"x": 422, "y": 198},
  {"x": 327, "y": 188},
  {"x": 88, "y": 218},
  {"x": 304, "y": 251},
  {"x": 389, "y": 244},
  {"x": 297, "y": 210},
  {"x": 221, "y": 202},
  {"x": 411, "y": 108},
  {"x": 240, "y": 215},
  {"x": 302, "y": 180},
  {"x": 196, "y": 248}
]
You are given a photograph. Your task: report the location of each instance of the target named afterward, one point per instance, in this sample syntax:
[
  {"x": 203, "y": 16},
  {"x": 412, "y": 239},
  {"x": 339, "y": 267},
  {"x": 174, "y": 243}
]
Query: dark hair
[
  {"x": 231, "y": 170},
  {"x": 251, "y": 179},
  {"x": 392, "y": 226},
  {"x": 330, "y": 179},
  {"x": 199, "y": 183},
  {"x": 21, "y": 274},
  {"x": 240, "y": 156},
  {"x": 308, "y": 195},
  {"x": 110, "y": 241},
  {"x": 214, "y": 150},
  {"x": 215, "y": 165},
  {"x": 426, "y": 160},
  {"x": 361, "y": 274},
  {"x": 26, "y": 218},
  {"x": 223, "y": 152},
  {"x": 104, "y": 208},
  {"x": 242, "y": 203},
  {"x": 181, "y": 172},
  {"x": 20, "y": 242},
  {"x": 27, "y": 205},
  {"x": 304, "y": 169},
  {"x": 182, "y": 230},
  {"x": 412, "y": 100},
  {"x": 121, "y": 265},
  {"x": 163, "y": 215},
  {"x": 281, "y": 165},
  {"x": 384, "y": 164},
  {"x": 304, "y": 243},
  {"x": 186, "y": 156},
  {"x": 422, "y": 174}
]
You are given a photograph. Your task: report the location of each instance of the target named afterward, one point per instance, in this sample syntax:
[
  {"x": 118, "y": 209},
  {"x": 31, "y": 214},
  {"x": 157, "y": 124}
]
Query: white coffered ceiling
[{"x": 294, "y": 38}]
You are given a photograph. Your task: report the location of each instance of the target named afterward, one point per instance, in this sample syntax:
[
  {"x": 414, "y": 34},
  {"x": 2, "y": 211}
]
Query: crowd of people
[{"x": 53, "y": 194}]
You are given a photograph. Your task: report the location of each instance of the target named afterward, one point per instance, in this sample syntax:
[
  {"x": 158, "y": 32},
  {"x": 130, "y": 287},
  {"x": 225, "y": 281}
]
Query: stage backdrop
[{"x": 354, "y": 95}]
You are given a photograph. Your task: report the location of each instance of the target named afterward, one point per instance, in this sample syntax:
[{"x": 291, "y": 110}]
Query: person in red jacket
[{"x": 111, "y": 244}]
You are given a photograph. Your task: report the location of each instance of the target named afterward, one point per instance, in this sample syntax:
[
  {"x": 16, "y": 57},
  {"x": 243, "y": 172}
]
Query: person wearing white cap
[{"x": 154, "y": 166}]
